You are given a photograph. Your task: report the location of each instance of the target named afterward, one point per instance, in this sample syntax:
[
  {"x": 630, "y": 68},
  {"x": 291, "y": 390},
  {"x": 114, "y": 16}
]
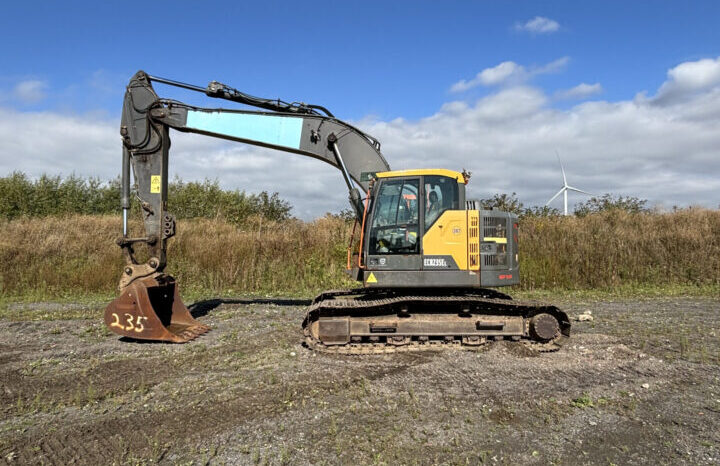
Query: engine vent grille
[
  {"x": 495, "y": 227},
  {"x": 473, "y": 240},
  {"x": 497, "y": 259},
  {"x": 494, "y": 246}
]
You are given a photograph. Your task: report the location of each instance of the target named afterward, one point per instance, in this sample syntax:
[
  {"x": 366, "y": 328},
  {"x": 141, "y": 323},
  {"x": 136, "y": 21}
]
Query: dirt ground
[{"x": 638, "y": 385}]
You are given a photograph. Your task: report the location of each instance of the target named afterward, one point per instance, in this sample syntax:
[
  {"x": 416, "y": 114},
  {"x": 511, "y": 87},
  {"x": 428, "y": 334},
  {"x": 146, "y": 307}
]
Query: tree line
[
  {"x": 21, "y": 196},
  {"x": 596, "y": 204}
]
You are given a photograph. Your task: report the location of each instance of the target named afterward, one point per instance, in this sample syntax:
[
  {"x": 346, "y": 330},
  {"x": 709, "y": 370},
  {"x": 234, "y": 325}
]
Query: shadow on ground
[{"x": 203, "y": 308}]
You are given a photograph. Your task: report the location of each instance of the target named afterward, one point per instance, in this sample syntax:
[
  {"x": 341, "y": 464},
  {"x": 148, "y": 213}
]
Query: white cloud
[
  {"x": 30, "y": 92},
  {"x": 580, "y": 91},
  {"x": 500, "y": 73},
  {"x": 503, "y": 72},
  {"x": 554, "y": 66},
  {"x": 669, "y": 154},
  {"x": 538, "y": 25},
  {"x": 508, "y": 73},
  {"x": 688, "y": 78}
]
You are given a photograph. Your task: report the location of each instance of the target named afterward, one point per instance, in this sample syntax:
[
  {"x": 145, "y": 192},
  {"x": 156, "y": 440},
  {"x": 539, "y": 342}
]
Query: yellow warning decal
[
  {"x": 495, "y": 239},
  {"x": 371, "y": 278},
  {"x": 155, "y": 182}
]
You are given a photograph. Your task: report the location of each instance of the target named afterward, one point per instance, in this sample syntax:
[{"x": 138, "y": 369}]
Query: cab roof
[{"x": 424, "y": 171}]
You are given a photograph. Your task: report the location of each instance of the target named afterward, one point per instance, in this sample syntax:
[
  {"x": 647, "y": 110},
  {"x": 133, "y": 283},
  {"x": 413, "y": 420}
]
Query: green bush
[
  {"x": 21, "y": 196},
  {"x": 608, "y": 202}
]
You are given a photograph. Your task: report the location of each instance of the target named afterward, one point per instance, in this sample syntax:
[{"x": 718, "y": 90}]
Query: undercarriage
[{"x": 376, "y": 321}]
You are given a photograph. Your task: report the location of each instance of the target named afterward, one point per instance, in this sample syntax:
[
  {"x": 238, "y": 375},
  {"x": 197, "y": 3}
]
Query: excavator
[{"x": 427, "y": 258}]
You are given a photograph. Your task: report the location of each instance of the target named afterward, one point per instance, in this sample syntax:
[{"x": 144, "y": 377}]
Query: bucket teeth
[
  {"x": 151, "y": 309},
  {"x": 193, "y": 332}
]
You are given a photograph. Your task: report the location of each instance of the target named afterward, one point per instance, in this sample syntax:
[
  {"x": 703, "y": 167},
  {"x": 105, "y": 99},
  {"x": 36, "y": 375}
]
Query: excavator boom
[{"x": 149, "y": 306}]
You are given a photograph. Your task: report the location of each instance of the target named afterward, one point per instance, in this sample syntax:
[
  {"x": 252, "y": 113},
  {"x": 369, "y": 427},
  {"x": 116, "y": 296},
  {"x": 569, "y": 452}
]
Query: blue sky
[
  {"x": 388, "y": 59},
  {"x": 371, "y": 62}
]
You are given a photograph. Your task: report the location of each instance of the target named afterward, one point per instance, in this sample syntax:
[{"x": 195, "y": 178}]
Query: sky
[{"x": 627, "y": 93}]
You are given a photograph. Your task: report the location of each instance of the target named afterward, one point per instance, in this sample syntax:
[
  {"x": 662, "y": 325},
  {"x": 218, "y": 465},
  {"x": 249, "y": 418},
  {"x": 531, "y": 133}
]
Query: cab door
[
  {"x": 394, "y": 239},
  {"x": 445, "y": 232}
]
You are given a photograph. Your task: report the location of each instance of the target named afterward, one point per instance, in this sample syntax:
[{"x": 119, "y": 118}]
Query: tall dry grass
[
  {"x": 59, "y": 255},
  {"x": 616, "y": 248}
]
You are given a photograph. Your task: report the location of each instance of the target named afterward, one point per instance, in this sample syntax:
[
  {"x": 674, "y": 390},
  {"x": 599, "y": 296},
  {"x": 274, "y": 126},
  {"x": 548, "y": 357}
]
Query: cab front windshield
[{"x": 395, "y": 222}]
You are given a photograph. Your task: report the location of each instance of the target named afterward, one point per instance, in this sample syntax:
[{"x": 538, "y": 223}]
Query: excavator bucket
[{"x": 151, "y": 309}]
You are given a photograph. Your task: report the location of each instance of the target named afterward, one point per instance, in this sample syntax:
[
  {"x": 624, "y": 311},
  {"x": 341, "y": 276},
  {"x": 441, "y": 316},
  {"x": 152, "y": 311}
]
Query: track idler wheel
[
  {"x": 151, "y": 309},
  {"x": 544, "y": 327}
]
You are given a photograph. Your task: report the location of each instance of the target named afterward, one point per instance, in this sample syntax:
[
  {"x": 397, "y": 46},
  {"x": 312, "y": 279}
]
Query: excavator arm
[{"x": 152, "y": 309}]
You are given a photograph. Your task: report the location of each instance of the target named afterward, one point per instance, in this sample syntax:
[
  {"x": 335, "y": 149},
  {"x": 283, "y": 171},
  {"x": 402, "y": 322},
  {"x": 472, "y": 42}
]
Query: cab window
[
  {"x": 395, "y": 220},
  {"x": 441, "y": 194}
]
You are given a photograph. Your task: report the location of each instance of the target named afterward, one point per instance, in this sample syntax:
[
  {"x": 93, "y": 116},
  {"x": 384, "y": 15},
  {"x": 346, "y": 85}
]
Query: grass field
[{"x": 613, "y": 252}]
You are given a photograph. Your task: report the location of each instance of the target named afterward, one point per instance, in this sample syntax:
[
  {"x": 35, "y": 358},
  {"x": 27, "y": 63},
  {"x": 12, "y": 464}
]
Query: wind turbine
[{"x": 566, "y": 187}]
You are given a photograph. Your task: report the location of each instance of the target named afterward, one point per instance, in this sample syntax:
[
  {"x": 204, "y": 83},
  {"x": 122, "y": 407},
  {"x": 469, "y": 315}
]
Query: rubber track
[
  {"x": 359, "y": 349},
  {"x": 501, "y": 305},
  {"x": 447, "y": 292}
]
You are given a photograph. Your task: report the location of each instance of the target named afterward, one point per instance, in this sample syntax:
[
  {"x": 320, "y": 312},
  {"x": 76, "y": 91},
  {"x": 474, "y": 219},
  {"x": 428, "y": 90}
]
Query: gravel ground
[{"x": 640, "y": 384}]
